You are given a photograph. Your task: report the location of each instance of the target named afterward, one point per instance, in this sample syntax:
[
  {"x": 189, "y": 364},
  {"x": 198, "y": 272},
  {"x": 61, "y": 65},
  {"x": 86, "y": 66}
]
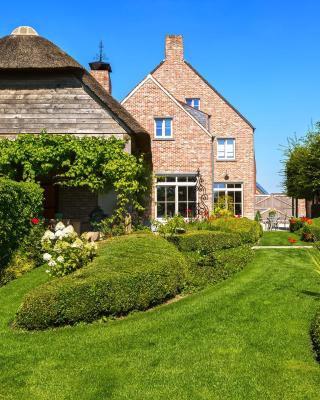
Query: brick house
[
  {"x": 42, "y": 87},
  {"x": 196, "y": 134}
]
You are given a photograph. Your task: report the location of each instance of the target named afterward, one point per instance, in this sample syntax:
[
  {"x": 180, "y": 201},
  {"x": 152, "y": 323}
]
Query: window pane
[
  {"x": 160, "y": 210},
  {"x": 192, "y": 207},
  {"x": 189, "y": 102},
  {"x": 161, "y": 193},
  {"x": 170, "y": 209},
  {"x": 182, "y": 209},
  {"x": 171, "y": 179},
  {"x": 160, "y": 178},
  {"x": 238, "y": 209},
  {"x": 196, "y": 103},
  {"x": 237, "y": 197},
  {"x": 192, "y": 178},
  {"x": 171, "y": 193},
  {"x": 159, "y": 127},
  {"x": 219, "y": 185},
  {"x": 168, "y": 127},
  {"x": 182, "y": 179},
  {"x": 192, "y": 193},
  {"x": 238, "y": 185},
  {"x": 182, "y": 193}
]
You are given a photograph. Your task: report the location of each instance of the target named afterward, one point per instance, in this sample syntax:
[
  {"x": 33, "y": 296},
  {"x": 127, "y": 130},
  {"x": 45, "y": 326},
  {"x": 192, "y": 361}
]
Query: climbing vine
[{"x": 95, "y": 163}]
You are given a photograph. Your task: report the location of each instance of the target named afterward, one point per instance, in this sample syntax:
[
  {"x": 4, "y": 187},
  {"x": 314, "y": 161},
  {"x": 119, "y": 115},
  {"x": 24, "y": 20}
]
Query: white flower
[
  {"x": 69, "y": 229},
  {"x": 48, "y": 271},
  {"x": 59, "y": 234},
  {"x": 77, "y": 244},
  {"x": 60, "y": 259},
  {"x": 52, "y": 263},
  {"x": 47, "y": 257},
  {"x": 48, "y": 235},
  {"x": 60, "y": 226}
]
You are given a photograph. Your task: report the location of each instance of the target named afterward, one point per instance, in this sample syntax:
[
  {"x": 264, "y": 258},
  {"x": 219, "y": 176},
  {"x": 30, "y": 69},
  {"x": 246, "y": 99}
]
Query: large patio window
[
  {"x": 176, "y": 194},
  {"x": 234, "y": 191}
]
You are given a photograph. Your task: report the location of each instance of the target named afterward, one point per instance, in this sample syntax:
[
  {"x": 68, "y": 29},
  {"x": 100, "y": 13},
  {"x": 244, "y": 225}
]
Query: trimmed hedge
[
  {"x": 315, "y": 334},
  {"x": 206, "y": 240},
  {"x": 130, "y": 273},
  {"x": 19, "y": 203},
  {"x": 249, "y": 230},
  {"x": 226, "y": 263},
  {"x": 314, "y": 228}
]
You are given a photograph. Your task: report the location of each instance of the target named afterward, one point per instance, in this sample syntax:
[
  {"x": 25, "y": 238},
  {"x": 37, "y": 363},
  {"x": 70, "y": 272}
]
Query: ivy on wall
[{"x": 95, "y": 163}]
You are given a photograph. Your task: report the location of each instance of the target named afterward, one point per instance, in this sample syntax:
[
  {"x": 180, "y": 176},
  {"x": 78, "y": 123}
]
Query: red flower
[
  {"x": 35, "y": 221},
  {"x": 292, "y": 240},
  {"x": 189, "y": 210}
]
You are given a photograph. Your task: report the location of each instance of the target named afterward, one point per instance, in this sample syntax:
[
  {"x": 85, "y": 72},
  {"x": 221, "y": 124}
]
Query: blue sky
[{"x": 263, "y": 56}]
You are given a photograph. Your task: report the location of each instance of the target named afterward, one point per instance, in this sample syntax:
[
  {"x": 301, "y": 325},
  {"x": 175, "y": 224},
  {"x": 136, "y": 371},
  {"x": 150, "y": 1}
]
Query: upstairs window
[
  {"x": 193, "y": 102},
  {"x": 226, "y": 149},
  {"x": 163, "y": 128}
]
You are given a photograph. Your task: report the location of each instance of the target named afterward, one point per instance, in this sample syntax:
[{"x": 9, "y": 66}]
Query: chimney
[
  {"x": 174, "y": 48},
  {"x": 101, "y": 70}
]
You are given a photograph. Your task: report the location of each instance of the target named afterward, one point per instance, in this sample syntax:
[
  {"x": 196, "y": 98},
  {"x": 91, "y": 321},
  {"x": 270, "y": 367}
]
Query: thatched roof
[{"x": 25, "y": 50}]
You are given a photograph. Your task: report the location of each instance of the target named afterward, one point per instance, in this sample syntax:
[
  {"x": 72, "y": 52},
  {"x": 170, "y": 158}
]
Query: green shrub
[
  {"x": 250, "y": 231},
  {"x": 314, "y": 228},
  {"x": 26, "y": 257},
  {"x": 207, "y": 241},
  {"x": 130, "y": 273},
  {"x": 225, "y": 263},
  {"x": 171, "y": 226},
  {"x": 19, "y": 203},
  {"x": 315, "y": 334}
]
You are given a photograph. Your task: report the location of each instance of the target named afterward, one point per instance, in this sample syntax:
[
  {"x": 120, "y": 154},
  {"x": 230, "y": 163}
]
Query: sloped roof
[
  {"x": 200, "y": 116},
  {"x": 25, "y": 50}
]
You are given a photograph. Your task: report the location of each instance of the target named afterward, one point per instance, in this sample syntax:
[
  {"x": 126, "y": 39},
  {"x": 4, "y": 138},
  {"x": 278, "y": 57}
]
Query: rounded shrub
[
  {"x": 130, "y": 273},
  {"x": 315, "y": 334},
  {"x": 206, "y": 240}
]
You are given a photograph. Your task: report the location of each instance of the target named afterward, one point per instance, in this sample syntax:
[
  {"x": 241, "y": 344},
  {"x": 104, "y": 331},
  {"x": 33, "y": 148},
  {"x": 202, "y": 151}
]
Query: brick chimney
[
  {"x": 101, "y": 70},
  {"x": 174, "y": 48}
]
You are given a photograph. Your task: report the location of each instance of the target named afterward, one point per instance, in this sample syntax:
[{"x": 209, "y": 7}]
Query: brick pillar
[
  {"x": 174, "y": 47},
  {"x": 101, "y": 72}
]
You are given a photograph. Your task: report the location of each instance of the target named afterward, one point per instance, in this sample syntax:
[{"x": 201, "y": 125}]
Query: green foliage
[
  {"x": 315, "y": 229},
  {"x": 295, "y": 224},
  {"x": 211, "y": 268},
  {"x": 223, "y": 207},
  {"x": 171, "y": 226},
  {"x": 250, "y": 231},
  {"x": 110, "y": 227},
  {"x": 207, "y": 241},
  {"x": 315, "y": 334},
  {"x": 92, "y": 162},
  {"x": 302, "y": 165},
  {"x": 65, "y": 251},
  {"x": 258, "y": 216},
  {"x": 131, "y": 273},
  {"x": 19, "y": 203}
]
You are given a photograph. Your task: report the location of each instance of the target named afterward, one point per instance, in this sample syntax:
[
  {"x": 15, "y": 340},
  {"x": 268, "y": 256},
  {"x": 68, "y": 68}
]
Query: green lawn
[
  {"x": 280, "y": 238},
  {"x": 245, "y": 338}
]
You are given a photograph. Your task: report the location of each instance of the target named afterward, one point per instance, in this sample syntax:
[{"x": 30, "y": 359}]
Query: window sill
[
  {"x": 163, "y": 139},
  {"x": 226, "y": 160}
]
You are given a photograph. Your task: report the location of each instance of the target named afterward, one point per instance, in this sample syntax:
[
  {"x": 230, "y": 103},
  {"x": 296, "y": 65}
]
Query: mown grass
[
  {"x": 245, "y": 338},
  {"x": 280, "y": 238}
]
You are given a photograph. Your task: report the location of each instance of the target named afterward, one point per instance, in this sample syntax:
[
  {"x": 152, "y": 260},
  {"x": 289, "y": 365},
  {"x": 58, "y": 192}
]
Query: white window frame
[
  {"x": 163, "y": 136},
  {"x": 224, "y": 158},
  {"x": 226, "y": 189},
  {"x": 177, "y": 185},
  {"x": 192, "y": 102}
]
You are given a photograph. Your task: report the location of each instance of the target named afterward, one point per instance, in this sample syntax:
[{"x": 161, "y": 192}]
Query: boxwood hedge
[
  {"x": 315, "y": 334},
  {"x": 206, "y": 240},
  {"x": 130, "y": 273},
  {"x": 19, "y": 203},
  {"x": 249, "y": 231}
]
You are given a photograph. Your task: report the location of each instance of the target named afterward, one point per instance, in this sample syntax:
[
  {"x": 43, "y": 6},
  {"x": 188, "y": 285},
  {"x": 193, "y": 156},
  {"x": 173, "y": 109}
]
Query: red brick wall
[
  {"x": 103, "y": 77},
  {"x": 190, "y": 148},
  {"x": 182, "y": 82}
]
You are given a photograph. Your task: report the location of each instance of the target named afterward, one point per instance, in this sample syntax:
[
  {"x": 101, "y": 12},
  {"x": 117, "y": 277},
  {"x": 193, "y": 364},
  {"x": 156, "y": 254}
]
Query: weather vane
[{"x": 101, "y": 54}]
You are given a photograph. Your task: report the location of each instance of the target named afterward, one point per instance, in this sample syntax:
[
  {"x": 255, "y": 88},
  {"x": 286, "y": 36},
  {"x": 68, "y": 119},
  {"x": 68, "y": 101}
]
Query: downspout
[{"x": 212, "y": 161}]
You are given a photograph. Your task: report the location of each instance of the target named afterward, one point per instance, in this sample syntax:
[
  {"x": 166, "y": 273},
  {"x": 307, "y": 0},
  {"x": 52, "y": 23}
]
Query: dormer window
[
  {"x": 163, "y": 128},
  {"x": 193, "y": 102}
]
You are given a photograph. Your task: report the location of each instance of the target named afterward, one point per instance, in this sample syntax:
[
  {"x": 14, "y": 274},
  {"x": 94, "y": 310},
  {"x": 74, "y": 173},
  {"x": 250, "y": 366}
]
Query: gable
[{"x": 183, "y": 81}]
